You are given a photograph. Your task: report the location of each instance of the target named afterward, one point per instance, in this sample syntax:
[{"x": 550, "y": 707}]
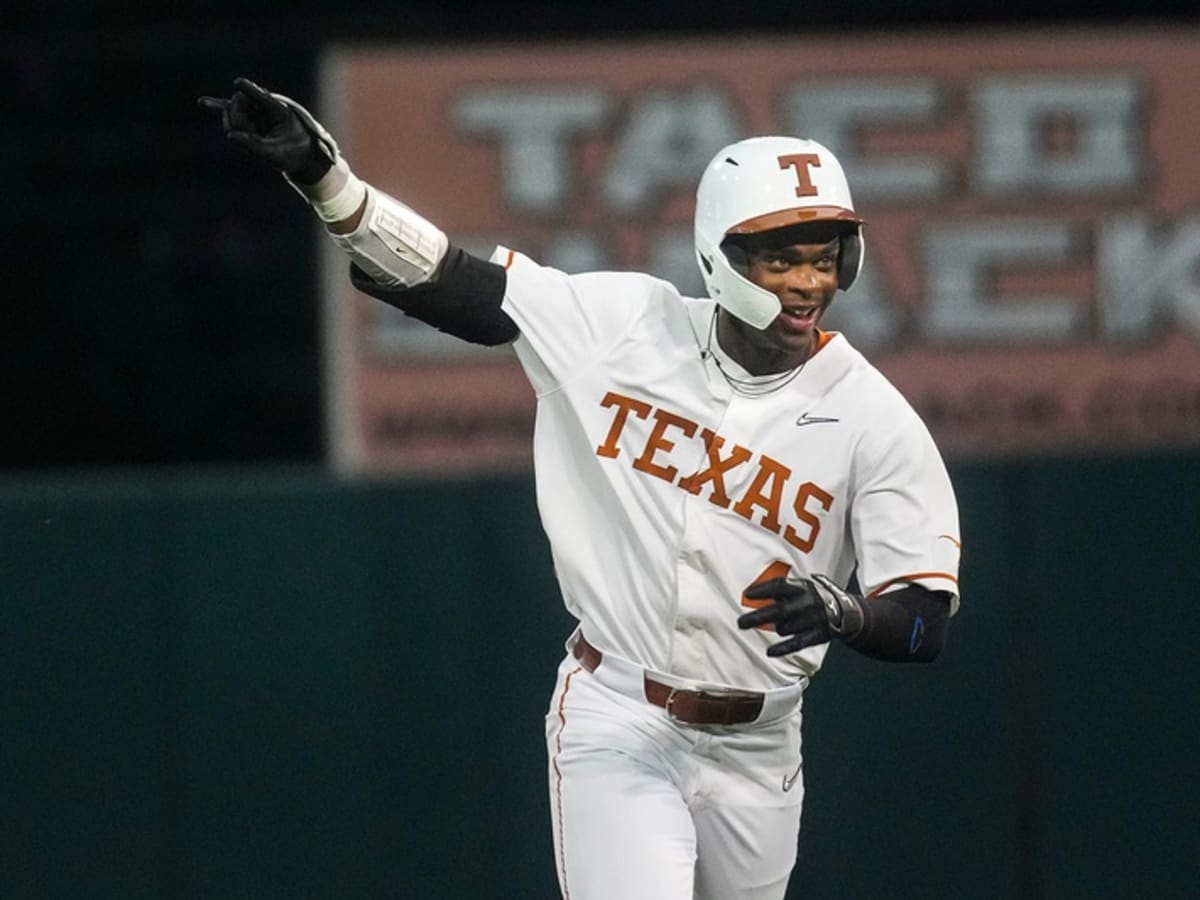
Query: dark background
[{"x": 160, "y": 290}]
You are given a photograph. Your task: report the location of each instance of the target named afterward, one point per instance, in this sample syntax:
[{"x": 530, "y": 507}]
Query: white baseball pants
[{"x": 645, "y": 808}]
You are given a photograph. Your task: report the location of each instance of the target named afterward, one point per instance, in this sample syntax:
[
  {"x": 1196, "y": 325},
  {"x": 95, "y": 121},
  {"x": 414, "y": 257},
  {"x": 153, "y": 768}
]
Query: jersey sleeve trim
[{"x": 914, "y": 577}]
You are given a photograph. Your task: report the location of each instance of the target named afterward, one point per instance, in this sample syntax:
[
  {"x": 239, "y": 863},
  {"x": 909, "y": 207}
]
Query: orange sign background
[{"x": 1084, "y": 330}]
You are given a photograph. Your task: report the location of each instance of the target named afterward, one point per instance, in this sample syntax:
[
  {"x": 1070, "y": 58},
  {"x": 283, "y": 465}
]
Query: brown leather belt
[{"x": 691, "y": 707}]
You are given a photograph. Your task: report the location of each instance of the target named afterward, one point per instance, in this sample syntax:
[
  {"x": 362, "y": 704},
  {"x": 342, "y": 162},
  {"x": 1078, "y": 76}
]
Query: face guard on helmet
[{"x": 758, "y": 185}]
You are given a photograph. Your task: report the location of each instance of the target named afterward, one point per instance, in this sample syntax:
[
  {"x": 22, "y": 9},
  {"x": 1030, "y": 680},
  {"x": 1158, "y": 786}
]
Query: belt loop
[
  {"x": 589, "y": 657},
  {"x": 667, "y": 704}
]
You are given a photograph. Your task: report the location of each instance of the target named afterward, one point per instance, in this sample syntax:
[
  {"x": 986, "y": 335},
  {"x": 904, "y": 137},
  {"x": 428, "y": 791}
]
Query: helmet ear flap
[
  {"x": 850, "y": 258},
  {"x": 738, "y": 258}
]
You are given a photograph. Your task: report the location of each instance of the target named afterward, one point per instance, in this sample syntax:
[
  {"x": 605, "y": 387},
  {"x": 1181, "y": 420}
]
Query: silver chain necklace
[{"x": 748, "y": 387}]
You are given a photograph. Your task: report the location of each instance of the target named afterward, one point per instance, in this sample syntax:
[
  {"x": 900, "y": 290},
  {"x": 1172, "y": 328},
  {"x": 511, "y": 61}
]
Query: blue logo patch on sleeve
[{"x": 918, "y": 632}]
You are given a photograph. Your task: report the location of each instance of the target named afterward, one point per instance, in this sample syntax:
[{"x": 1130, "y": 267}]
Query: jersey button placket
[
  {"x": 692, "y": 593},
  {"x": 692, "y": 588}
]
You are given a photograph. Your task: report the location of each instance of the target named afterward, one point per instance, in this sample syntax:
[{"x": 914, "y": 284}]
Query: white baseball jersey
[{"x": 665, "y": 493}]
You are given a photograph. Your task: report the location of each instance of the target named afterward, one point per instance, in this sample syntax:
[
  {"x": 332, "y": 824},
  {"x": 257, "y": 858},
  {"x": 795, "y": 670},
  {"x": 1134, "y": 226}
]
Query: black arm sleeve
[
  {"x": 908, "y": 625},
  {"x": 463, "y": 300}
]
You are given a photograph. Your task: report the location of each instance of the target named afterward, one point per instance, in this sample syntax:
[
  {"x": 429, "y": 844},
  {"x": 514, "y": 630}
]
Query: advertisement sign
[{"x": 1032, "y": 200}]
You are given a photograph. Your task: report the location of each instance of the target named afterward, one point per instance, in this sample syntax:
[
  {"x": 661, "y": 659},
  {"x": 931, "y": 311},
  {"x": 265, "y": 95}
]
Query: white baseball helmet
[{"x": 761, "y": 184}]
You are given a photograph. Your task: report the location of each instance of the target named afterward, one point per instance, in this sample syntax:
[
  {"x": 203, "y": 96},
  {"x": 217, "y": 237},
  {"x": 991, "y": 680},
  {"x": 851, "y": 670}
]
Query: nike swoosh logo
[
  {"x": 789, "y": 783},
  {"x": 806, "y": 419}
]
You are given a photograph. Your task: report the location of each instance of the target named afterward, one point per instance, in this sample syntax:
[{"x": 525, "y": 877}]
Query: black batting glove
[
  {"x": 813, "y": 610},
  {"x": 267, "y": 128}
]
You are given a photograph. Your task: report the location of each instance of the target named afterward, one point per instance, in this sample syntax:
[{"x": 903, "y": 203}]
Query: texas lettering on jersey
[{"x": 764, "y": 494}]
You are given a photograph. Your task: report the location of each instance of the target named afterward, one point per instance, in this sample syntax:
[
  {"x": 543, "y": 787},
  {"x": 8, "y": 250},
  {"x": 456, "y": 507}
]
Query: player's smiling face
[{"x": 804, "y": 278}]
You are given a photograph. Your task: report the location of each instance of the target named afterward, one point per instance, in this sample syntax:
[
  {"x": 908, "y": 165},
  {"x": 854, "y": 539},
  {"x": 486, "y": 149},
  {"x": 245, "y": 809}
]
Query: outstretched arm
[
  {"x": 906, "y": 625},
  {"x": 398, "y": 256}
]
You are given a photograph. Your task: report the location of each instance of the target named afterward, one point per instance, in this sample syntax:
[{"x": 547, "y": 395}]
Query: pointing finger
[
  {"x": 764, "y": 616},
  {"x": 246, "y": 86},
  {"x": 799, "y": 642},
  {"x": 765, "y": 590}
]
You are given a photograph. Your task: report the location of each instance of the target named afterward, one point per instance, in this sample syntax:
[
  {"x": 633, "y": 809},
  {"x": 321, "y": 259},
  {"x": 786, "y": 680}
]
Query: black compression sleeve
[
  {"x": 463, "y": 300},
  {"x": 908, "y": 625}
]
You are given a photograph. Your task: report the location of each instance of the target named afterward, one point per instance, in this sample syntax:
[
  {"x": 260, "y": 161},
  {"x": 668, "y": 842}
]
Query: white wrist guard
[
  {"x": 393, "y": 244},
  {"x": 338, "y": 194}
]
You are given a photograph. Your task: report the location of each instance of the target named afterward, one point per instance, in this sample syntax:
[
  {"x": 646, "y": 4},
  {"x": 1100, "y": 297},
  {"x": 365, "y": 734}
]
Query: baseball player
[{"x": 713, "y": 476}]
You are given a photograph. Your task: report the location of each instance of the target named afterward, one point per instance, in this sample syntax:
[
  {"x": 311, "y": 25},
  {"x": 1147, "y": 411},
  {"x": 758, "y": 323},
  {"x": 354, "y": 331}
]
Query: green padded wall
[{"x": 268, "y": 683}]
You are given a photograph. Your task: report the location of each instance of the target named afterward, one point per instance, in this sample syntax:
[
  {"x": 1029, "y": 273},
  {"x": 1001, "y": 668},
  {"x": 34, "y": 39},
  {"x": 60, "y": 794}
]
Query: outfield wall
[{"x": 268, "y": 683}]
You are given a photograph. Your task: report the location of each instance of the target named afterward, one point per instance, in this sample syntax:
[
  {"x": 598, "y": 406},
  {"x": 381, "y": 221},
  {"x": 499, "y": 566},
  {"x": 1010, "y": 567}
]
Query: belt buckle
[{"x": 669, "y": 706}]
